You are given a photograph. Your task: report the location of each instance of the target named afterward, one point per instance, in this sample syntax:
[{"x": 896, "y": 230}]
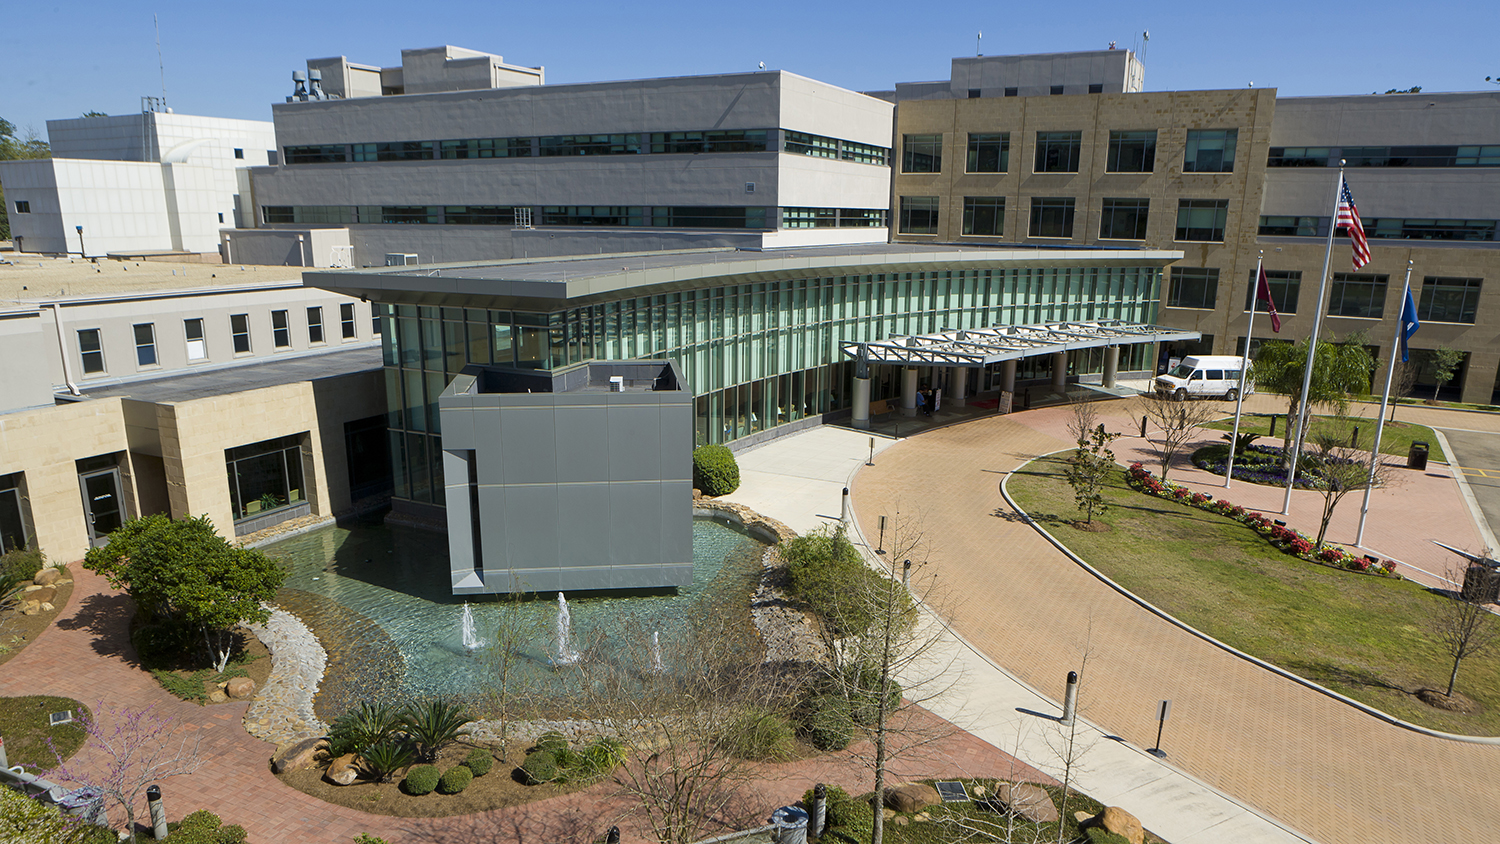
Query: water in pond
[{"x": 380, "y": 601}]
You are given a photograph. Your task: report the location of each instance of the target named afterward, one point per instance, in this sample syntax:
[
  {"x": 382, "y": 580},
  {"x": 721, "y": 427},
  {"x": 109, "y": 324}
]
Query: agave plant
[
  {"x": 433, "y": 726},
  {"x": 386, "y": 757},
  {"x": 363, "y": 727}
]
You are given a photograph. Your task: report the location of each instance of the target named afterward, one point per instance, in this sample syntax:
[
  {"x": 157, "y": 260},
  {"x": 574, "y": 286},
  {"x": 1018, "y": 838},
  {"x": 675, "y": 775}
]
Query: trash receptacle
[
  {"x": 1416, "y": 456},
  {"x": 1481, "y": 584},
  {"x": 791, "y": 825},
  {"x": 86, "y": 804}
]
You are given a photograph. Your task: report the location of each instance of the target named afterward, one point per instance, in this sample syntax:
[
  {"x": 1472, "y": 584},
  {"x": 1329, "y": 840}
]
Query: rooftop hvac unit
[{"x": 400, "y": 259}]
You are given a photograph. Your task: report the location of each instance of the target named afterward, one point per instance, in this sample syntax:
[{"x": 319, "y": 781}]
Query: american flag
[{"x": 1348, "y": 218}]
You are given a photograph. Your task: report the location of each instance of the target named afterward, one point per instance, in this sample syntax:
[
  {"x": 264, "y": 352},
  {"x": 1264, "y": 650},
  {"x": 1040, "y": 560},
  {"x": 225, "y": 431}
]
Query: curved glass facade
[{"x": 756, "y": 355}]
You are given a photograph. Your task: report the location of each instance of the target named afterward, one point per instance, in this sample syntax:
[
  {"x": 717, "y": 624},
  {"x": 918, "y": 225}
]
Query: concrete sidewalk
[{"x": 800, "y": 479}]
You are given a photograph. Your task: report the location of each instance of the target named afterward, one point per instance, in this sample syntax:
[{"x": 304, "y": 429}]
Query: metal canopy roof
[{"x": 982, "y": 346}]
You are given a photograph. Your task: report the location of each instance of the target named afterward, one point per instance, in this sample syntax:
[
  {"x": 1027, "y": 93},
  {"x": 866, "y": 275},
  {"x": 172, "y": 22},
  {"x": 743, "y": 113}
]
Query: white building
[{"x": 133, "y": 184}]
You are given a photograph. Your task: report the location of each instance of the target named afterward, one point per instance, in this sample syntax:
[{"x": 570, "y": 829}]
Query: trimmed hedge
[
  {"x": 828, "y": 723},
  {"x": 540, "y": 766},
  {"x": 421, "y": 780},
  {"x": 715, "y": 470},
  {"x": 455, "y": 780},
  {"x": 480, "y": 761}
]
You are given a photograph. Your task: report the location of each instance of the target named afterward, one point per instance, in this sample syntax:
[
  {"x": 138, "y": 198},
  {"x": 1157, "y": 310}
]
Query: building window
[
  {"x": 346, "y": 320},
  {"x": 864, "y": 153},
  {"x": 1357, "y": 296},
  {"x": 1396, "y": 228},
  {"x": 1057, "y": 152},
  {"x": 375, "y": 321},
  {"x": 239, "y": 331},
  {"x": 1012, "y": 92},
  {"x": 316, "y": 154},
  {"x": 919, "y": 215},
  {"x": 23, "y": 206},
  {"x": 314, "y": 325},
  {"x": 727, "y": 217},
  {"x": 1298, "y": 157},
  {"x": 15, "y": 517},
  {"x": 554, "y": 145},
  {"x": 921, "y": 153},
  {"x": 1124, "y": 219},
  {"x": 197, "y": 347},
  {"x": 1193, "y": 287},
  {"x": 1210, "y": 151},
  {"x": 817, "y": 146},
  {"x": 239, "y": 153},
  {"x": 973, "y": 93},
  {"x": 722, "y": 140},
  {"x": 1096, "y": 87},
  {"x": 984, "y": 215},
  {"x": 989, "y": 153},
  {"x": 281, "y": 330},
  {"x": 1052, "y": 217},
  {"x": 145, "y": 344},
  {"x": 1202, "y": 219},
  {"x": 1282, "y": 226},
  {"x": 809, "y": 218},
  {"x": 1132, "y": 152},
  {"x": 91, "y": 349},
  {"x": 1284, "y": 285},
  {"x": 486, "y": 148},
  {"x": 1057, "y": 89},
  {"x": 1449, "y": 299},
  {"x": 479, "y": 215},
  {"x": 265, "y": 476}
]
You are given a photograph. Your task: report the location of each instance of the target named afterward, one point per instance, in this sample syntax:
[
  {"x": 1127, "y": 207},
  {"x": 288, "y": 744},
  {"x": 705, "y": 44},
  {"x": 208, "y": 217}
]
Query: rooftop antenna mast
[
  {"x": 160, "y": 65},
  {"x": 978, "y": 43}
]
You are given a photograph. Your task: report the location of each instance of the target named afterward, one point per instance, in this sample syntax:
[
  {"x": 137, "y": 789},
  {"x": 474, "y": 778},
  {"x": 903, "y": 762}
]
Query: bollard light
[{"x": 158, "y": 812}]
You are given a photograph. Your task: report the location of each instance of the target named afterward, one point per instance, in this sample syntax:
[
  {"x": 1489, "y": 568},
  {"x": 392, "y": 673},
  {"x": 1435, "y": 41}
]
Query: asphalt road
[{"x": 1477, "y": 454}]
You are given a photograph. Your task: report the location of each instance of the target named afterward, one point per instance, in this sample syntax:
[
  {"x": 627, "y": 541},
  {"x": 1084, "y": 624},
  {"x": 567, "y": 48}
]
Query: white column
[
  {"x": 1008, "y": 376},
  {"x": 909, "y": 391},
  {"x": 958, "y": 384},
  {"x": 861, "y": 403},
  {"x": 1060, "y": 371},
  {"x": 1111, "y": 366}
]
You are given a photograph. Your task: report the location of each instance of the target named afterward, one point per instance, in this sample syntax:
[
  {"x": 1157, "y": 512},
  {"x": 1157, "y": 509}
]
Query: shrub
[
  {"x": 420, "y": 780},
  {"x": 828, "y": 722},
  {"x": 367, "y": 838},
  {"x": 455, "y": 780},
  {"x": 361, "y": 728},
  {"x": 715, "y": 471},
  {"x": 232, "y": 834},
  {"x": 758, "y": 735},
  {"x": 386, "y": 757},
  {"x": 826, "y": 574},
  {"x": 540, "y": 766},
  {"x": 24, "y": 564},
  {"x": 479, "y": 761},
  {"x": 553, "y": 742},
  {"x": 202, "y": 827},
  {"x": 851, "y": 815},
  {"x": 1100, "y": 835},
  {"x": 434, "y": 726}
]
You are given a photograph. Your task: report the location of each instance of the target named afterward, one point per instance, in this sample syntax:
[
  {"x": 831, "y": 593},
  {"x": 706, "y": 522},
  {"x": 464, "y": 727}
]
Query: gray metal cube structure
[{"x": 572, "y": 479}]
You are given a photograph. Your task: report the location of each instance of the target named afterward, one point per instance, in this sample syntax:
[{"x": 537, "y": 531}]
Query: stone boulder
[
  {"x": 40, "y": 594},
  {"x": 297, "y": 755},
  {"x": 240, "y": 688},
  {"x": 1029, "y": 801},
  {"x": 1121, "y": 823},
  {"x": 47, "y": 577},
  {"x": 912, "y": 797},
  {"x": 343, "y": 770},
  {"x": 217, "y": 696}
]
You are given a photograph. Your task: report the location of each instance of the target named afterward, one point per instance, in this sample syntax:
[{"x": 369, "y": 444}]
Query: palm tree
[{"x": 1340, "y": 371}]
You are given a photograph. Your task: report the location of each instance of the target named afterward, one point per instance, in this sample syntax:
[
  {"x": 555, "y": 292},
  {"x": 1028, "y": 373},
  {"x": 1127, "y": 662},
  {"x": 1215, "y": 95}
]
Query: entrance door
[{"x": 101, "y": 503}]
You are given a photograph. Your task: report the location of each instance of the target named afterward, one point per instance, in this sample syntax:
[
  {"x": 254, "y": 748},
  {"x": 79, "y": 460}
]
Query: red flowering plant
[
  {"x": 1300, "y": 546},
  {"x": 1330, "y": 554},
  {"x": 1358, "y": 563}
]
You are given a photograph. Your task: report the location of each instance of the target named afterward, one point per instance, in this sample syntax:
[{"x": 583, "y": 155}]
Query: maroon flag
[
  {"x": 1263, "y": 294},
  {"x": 1348, "y": 218}
]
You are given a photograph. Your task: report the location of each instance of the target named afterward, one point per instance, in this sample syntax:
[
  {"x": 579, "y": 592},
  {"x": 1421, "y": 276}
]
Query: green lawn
[
  {"x": 1396, "y": 440},
  {"x": 24, "y": 724},
  {"x": 1362, "y": 636}
]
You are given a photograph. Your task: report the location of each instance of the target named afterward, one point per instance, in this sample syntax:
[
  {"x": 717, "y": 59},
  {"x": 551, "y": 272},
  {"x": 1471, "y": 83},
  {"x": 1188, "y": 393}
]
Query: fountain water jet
[
  {"x": 565, "y": 653},
  {"x": 656, "y": 666},
  {"x": 470, "y": 638}
]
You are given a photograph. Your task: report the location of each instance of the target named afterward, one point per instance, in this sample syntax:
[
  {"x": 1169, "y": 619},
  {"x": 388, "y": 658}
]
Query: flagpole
[
  {"x": 1239, "y": 397},
  {"x": 1312, "y": 349},
  {"x": 1385, "y": 398}
]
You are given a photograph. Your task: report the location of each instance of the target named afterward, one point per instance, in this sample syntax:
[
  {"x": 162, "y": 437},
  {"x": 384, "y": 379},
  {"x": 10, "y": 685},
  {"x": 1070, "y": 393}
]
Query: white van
[{"x": 1204, "y": 375}]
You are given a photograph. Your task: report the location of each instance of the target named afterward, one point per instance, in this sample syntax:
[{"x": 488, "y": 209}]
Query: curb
[{"x": 1157, "y": 611}]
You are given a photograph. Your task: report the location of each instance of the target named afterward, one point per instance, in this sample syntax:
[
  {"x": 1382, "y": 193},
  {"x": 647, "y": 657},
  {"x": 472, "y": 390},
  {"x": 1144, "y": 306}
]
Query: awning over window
[{"x": 982, "y": 346}]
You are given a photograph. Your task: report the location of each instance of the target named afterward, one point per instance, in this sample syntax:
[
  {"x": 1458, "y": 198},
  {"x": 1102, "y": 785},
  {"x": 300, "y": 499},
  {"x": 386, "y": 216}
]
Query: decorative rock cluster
[
  {"x": 38, "y": 597},
  {"x": 283, "y": 712}
]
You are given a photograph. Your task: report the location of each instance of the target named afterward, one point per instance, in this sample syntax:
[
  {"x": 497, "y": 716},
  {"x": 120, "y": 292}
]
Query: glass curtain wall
[{"x": 755, "y": 355}]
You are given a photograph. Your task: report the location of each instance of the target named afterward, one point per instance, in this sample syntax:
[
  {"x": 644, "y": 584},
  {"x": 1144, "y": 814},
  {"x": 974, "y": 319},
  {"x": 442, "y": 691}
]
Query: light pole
[{"x": 81, "y": 251}]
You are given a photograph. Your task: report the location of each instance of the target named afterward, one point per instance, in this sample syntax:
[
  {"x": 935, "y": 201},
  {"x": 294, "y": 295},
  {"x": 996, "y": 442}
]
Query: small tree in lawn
[
  {"x": 1177, "y": 421},
  {"x": 134, "y": 748},
  {"x": 1089, "y": 468},
  {"x": 1342, "y": 471},
  {"x": 1445, "y": 363},
  {"x": 187, "y": 582},
  {"x": 1463, "y": 628}
]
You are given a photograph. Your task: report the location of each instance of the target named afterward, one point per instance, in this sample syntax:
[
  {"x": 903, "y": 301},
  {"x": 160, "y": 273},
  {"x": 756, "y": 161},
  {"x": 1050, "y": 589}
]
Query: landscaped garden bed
[
  {"x": 1370, "y": 638},
  {"x": 1395, "y": 441}
]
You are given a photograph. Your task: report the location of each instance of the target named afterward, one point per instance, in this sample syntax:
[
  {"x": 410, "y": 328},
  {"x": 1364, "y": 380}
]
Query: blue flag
[{"x": 1409, "y": 324}]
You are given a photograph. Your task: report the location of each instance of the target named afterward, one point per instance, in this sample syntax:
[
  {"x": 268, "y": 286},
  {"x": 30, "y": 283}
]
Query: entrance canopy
[{"x": 977, "y": 347}]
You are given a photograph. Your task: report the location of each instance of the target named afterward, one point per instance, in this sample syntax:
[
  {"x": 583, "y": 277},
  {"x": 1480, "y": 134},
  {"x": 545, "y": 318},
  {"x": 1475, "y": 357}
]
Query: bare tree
[
  {"x": 508, "y": 690},
  {"x": 1084, "y": 417},
  {"x": 1343, "y": 470},
  {"x": 138, "y": 748},
  {"x": 1403, "y": 381},
  {"x": 1177, "y": 421},
  {"x": 1463, "y": 626}
]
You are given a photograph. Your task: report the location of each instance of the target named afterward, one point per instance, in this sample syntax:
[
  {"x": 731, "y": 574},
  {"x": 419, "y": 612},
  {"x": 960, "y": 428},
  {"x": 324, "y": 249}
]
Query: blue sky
[{"x": 234, "y": 60}]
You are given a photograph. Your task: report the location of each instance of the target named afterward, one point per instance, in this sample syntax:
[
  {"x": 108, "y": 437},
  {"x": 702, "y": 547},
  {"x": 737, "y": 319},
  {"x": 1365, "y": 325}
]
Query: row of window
[
  {"x": 91, "y": 341},
  {"x": 1121, "y": 219},
  {"x": 631, "y": 143},
  {"x": 1388, "y": 228},
  {"x": 727, "y": 217},
  {"x": 1392, "y": 156},
  {"x": 1134, "y": 151},
  {"x": 1442, "y": 299}
]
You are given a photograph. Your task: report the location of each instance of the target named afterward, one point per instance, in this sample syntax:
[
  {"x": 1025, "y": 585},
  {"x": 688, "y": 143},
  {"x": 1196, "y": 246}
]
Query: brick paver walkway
[
  {"x": 1321, "y": 766},
  {"x": 86, "y": 656}
]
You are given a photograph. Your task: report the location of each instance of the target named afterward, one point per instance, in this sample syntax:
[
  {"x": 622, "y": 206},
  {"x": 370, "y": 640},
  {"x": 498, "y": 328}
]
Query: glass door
[{"x": 101, "y": 503}]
